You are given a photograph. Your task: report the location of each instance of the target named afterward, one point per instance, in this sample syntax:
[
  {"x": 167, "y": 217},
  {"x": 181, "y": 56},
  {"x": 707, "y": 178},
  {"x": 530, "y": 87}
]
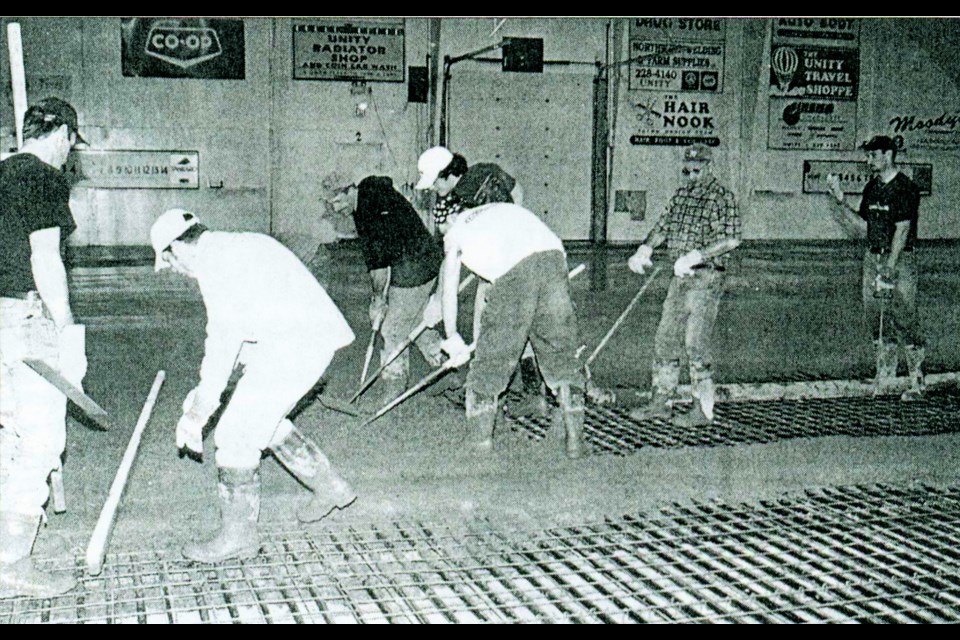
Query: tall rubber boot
[
  {"x": 481, "y": 418},
  {"x": 915, "y": 356},
  {"x": 239, "y": 536},
  {"x": 704, "y": 396},
  {"x": 309, "y": 465},
  {"x": 886, "y": 367},
  {"x": 666, "y": 377},
  {"x": 571, "y": 401},
  {"x": 19, "y": 577}
]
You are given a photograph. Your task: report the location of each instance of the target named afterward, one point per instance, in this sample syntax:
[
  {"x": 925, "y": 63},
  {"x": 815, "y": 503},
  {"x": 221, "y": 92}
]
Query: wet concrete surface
[{"x": 790, "y": 313}]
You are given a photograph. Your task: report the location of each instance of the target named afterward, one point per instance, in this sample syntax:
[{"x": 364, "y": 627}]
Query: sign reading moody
[
  {"x": 183, "y": 48},
  {"x": 368, "y": 50}
]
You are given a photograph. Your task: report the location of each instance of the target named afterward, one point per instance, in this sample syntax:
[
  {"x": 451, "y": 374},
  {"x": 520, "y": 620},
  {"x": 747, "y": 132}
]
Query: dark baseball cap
[
  {"x": 881, "y": 143},
  {"x": 60, "y": 111}
]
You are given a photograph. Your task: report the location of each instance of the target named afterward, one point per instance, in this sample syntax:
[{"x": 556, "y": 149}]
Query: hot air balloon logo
[{"x": 784, "y": 63}]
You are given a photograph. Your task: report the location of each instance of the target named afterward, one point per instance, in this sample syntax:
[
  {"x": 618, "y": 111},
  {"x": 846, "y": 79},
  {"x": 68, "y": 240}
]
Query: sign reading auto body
[
  {"x": 368, "y": 50},
  {"x": 676, "y": 74},
  {"x": 183, "y": 48},
  {"x": 814, "y": 80}
]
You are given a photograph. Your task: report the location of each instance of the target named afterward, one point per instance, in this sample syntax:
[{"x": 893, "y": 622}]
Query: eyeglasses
[{"x": 687, "y": 171}]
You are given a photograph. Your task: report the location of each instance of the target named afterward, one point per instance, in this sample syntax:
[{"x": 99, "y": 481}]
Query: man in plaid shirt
[{"x": 701, "y": 226}]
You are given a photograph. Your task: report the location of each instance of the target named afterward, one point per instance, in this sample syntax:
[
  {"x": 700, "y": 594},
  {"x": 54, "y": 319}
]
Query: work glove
[
  {"x": 641, "y": 259},
  {"x": 684, "y": 265},
  {"x": 378, "y": 309},
  {"x": 833, "y": 185},
  {"x": 190, "y": 432},
  {"x": 433, "y": 311},
  {"x": 73, "y": 354},
  {"x": 457, "y": 349},
  {"x": 885, "y": 281}
]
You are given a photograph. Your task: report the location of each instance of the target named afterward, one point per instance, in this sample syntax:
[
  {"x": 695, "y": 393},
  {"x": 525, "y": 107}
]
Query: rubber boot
[
  {"x": 19, "y": 577},
  {"x": 309, "y": 465},
  {"x": 915, "y": 356},
  {"x": 481, "y": 418},
  {"x": 666, "y": 377},
  {"x": 886, "y": 367},
  {"x": 693, "y": 418},
  {"x": 239, "y": 537},
  {"x": 571, "y": 401}
]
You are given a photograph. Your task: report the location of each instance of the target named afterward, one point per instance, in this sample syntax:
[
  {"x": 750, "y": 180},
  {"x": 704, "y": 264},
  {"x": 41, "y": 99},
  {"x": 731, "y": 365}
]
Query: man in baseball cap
[
  {"x": 269, "y": 315},
  {"x": 701, "y": 226},
  {"x": 888, "y": 213},
  {"x": 36, "y": 322}
]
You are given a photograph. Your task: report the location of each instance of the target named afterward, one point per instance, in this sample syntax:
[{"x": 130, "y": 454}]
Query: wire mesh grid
[
  {"x": 612, "y": 430},
  {"x": 862, "y": 553}
]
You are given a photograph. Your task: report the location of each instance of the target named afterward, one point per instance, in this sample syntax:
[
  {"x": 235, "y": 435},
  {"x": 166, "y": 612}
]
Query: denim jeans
[
  {"x": 900, "y": 322},
  {"x": 686, "y": 328}
]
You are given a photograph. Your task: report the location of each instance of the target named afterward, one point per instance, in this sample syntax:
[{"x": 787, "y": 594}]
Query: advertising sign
[
  {"x": 668, "y": 119},
  {"x": 182, "y": 48},
  {"x": 854, "y": 176},
  {"x": 677, "y": 54},
  {"x": 367, "y": 50},
  {"x": 135, "y": 169},
  {"x": 812, "y": 124}
]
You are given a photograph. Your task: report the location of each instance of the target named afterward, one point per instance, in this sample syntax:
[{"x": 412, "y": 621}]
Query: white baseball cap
[
  {"x": 168, "y": 227},
  {"x": 431, "y": 163}
]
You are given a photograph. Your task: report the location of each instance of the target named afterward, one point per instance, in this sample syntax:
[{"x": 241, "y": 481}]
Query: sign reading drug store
[{"x": 367, "y": 50}]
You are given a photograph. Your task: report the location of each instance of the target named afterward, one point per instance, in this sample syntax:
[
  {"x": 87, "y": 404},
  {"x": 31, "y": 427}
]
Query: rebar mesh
[
  {"x": 611, "y": 430},
  {"x": 864, "y": 553}
]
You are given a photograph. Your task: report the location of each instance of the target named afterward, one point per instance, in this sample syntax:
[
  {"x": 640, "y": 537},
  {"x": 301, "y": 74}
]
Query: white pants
[
  {"x": 276, "y": 378},
  {"x": 32, "y": 411}
]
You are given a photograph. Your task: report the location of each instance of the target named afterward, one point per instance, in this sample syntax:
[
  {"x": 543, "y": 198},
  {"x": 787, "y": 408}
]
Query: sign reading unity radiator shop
[
  {"x": 183, "y": 48},
  {"x": 367, "y": 50}
]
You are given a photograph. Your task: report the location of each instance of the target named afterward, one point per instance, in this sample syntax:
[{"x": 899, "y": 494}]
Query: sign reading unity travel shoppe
[
  {"x": 368, "y": 50},
  {"x": 182, "y": 48}
]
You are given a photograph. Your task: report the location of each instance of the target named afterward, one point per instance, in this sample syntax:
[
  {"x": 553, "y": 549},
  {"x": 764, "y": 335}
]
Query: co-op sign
[{"x": 183, "y": 46}]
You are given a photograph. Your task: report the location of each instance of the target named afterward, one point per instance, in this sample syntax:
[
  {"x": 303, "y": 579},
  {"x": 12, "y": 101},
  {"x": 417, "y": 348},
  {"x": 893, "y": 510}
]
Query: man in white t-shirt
[
  {"x": 267, "y": 313},
  {"x": 529, "y": 299}
]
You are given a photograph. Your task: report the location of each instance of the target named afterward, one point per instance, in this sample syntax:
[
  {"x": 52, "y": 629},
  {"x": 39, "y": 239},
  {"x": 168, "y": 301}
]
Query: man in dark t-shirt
[
  {"x": 36, "y": 323},
  {"x": 889, "y": 210},
  {"x": 403, "y": 260}
]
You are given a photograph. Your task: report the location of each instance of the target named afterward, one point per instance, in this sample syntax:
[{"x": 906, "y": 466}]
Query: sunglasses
[{"x": 688, "y": 171}]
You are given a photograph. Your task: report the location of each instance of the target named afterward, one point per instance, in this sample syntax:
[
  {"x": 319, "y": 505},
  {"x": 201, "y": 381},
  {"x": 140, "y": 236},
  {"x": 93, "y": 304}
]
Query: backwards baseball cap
[
  {"x": 430, "y": 164},
  {"x": 53, "y": 110},
  {"x": 168, "y": 227},
  {"x": 881, "y": 143},
  {"x": 697, "y": 153}
]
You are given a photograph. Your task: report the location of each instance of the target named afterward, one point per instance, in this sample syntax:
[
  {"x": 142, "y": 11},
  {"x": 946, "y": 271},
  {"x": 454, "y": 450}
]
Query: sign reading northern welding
[
  {"x": 677, "y": 54},
  {"x": 854, "y": 176},
  {"x": 183, "y": 48},
  {"x": 367, "y": 50},
  {"x": 115, "y": 169}
]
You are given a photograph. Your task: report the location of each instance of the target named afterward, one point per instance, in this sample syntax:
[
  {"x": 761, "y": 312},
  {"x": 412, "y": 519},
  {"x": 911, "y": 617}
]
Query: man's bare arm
[{"x": 50, "y": 275}]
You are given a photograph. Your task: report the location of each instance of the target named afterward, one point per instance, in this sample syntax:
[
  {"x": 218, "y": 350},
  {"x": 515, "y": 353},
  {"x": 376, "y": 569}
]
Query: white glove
[
  {"x": 378, "y": 309},
  {"x": 73, "y": 353},
  {"x": 457, "y": 349},
  {"x": 190, "y": 432},
  {"x": 433, "y": 312},
  {"x": 685, "y": 263},
  {"x": 833, "y": 184},
  {"x": 641, "y": 259}
]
